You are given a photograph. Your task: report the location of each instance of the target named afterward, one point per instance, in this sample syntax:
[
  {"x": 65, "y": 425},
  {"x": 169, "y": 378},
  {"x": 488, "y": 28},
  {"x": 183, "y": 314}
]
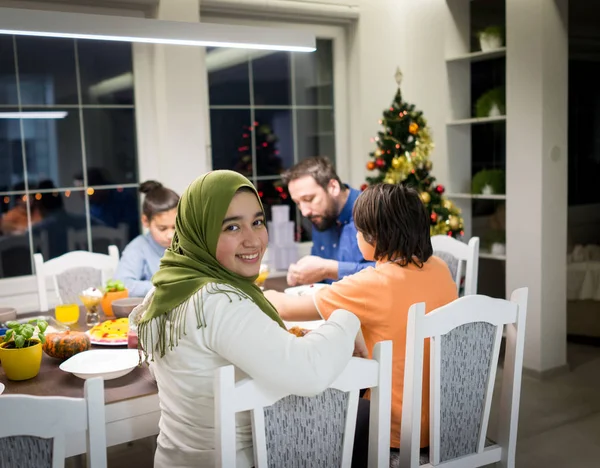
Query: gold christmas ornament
[
  {"x": 389, "y": 180},
  {"x": 447, "y": 204},
  {"x": 413, "y": 128},
  {"x": 453, "y": 222},
  {"x": 396, "y": 163},
  {"x": 378, "y": 152},
  {"x": 425, "y": 197}
]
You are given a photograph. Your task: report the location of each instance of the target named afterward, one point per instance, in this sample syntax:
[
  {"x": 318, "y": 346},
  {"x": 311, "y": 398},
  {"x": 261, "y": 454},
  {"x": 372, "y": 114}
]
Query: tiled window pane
[
  {"x": 11, "y": 155},
  {"x": 271, "y": 77},
  {"x": 231, "y": 138},
  {"x": 62, "y": 212},
  {"x": 287, "y": 127},
  {"x": 46, "y": 70},
  {"x": 110, "y": 143},
  {"x": 15, "y": 257},
  {"x": 8, "y": 80},
  {"x": 272, "y": 192},
  {"x": 228, "y": 76},
  {"x": 274, "y": 141},
  {"x": 117, "y": 209},
  {"x": 106, "y": 73},
  {"x": 315, "y": 133},
  {"x": 53, "y": 148},
  {"x": 313, "y": 75}
]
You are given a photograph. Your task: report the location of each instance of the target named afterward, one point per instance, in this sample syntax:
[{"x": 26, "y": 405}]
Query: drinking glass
[{"x": 67, "y": 313}]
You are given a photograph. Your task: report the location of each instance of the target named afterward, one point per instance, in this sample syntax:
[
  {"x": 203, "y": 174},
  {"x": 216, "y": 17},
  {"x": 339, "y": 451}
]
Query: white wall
[{"x": 409, "y": 34}]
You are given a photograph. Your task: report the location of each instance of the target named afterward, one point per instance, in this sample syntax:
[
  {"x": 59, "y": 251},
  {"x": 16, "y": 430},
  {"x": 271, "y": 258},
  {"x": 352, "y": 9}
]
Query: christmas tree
[
  {"x": 402, "y": 157},
  {"x": 268, "y": 161}
]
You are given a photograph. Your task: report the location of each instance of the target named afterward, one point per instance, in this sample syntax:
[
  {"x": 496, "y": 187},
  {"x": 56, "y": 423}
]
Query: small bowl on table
[{"x": 121, "y": 308}]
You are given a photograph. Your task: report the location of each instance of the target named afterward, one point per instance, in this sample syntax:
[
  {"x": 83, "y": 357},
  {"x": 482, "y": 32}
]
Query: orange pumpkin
[{"x": 66, "y": 344}]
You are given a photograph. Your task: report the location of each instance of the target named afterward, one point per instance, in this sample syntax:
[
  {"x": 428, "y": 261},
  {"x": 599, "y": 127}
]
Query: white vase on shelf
[
  {"x": 498, "y": 249},
  {"x": 489, "y": 42}
]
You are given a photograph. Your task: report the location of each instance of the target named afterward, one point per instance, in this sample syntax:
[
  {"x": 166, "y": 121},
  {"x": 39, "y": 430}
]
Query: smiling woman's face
[{"x": 243, "y": 239}]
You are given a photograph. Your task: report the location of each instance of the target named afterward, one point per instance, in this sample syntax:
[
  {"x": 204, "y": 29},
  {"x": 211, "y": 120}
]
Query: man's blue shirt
[{"x": 339, "y": 242}]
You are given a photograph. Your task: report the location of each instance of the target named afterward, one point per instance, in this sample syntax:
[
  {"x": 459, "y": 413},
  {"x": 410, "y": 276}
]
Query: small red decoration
[
  {"x": 440, "y": 189},
  {"x": 434, "y": 217},
  {"x": 380, "y": 163},
  {"x": 363, "y": 187}
]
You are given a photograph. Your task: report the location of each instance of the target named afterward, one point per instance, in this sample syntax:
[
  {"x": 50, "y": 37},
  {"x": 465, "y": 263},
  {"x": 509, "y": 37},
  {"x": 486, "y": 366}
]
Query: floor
[{"x": 559, "y": 424}]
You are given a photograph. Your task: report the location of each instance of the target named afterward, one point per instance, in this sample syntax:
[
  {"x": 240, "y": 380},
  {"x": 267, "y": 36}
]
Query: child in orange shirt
[{"x": 393, "y": 229}]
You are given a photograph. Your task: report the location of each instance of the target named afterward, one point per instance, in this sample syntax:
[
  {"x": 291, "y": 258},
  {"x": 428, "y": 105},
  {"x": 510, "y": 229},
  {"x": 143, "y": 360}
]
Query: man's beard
[{"x": 326, "y": 221}]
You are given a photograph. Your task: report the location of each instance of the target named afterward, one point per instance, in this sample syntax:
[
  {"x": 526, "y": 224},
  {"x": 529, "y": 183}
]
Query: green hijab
[{"x": 190, "y": 263}]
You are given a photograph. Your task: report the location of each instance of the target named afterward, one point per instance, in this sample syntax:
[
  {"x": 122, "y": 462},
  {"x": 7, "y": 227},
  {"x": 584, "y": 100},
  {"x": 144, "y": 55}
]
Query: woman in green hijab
[{"x": 205, "y": 312}]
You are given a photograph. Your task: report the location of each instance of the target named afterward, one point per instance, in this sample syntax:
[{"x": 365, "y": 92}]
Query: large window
[
  {"x": 269, "y": 110},
  {"x": 68, "y": 177}
]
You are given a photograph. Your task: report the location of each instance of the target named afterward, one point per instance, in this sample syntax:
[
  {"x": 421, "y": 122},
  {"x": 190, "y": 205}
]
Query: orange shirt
[{"x": 380, "y": 297}]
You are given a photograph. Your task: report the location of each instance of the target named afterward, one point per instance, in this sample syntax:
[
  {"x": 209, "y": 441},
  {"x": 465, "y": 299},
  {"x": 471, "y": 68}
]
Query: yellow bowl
[{"x": 21, "y": 363}]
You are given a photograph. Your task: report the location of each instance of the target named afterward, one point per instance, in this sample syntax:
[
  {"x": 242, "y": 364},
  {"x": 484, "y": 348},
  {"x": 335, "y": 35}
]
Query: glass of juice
[
  {"x": 67, "y": 313},
  {"x": 262, "y": 276}
]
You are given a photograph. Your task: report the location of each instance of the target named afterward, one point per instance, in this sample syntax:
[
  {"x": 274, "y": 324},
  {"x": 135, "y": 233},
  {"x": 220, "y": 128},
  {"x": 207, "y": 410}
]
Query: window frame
[{"x": 337, "y": 34}]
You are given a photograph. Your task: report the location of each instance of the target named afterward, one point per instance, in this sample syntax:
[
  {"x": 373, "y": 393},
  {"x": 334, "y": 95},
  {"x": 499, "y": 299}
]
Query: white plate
[
  {"x": 94, "y": 341},
  {"x": 106, "y": 363},
  {"x": 305, "y": 290}
]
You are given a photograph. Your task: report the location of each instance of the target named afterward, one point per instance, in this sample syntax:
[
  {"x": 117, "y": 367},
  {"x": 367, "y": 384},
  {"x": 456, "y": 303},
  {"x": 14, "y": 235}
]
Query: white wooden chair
[
  {"x": 465, "y": 345},
  {"x": 456, "y": 254},
  {"x": 28, "y": 420},
  {"x": 73, "y": 272},
  {"x": 248, "y": 395}
]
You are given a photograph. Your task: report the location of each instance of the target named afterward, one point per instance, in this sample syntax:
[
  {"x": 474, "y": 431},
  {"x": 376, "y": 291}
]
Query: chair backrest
[
  {"x": 338, "y": 404},
  {"x": 73, "y": 272},
  {"x": 465, "y": 345},
  {"x": 28, "y": 420},
  {"x": 461, "y": 258},
  {"x": 102, "y": 235}
]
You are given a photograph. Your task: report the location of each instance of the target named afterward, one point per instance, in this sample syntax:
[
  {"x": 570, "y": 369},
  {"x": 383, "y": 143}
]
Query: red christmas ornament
[
  {"x": 440, "y": 189},
  {"x": 363, "y": 187},
  {"x": 449, "y": 233},
  {"x": 380, "y": 163},
  {"x": 434, "y": 217}
]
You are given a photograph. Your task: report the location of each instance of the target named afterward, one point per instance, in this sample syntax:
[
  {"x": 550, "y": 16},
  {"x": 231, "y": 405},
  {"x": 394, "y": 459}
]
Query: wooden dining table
[{"x": 131, "y": 401}]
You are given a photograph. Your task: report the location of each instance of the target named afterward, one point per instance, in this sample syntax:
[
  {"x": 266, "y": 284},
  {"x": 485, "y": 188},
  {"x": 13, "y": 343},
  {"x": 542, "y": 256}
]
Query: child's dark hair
[
  {"x": 394, "y": 217},
  {"x": 158, "y": 198}
]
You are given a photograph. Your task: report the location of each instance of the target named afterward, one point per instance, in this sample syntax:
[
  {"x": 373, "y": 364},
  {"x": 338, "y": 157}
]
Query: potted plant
[
  {"x": 114, "y": 290},
  {"x": 492, "y": 103},
  {"x": 491, "y": 38},
  {"x": 495, "y": 242},
  {"x": 489, "y": 182},
  {"x": 21, "y": 351}
]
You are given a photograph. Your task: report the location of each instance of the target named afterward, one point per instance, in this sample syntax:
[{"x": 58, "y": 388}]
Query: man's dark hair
[
  {"x": 394, "y": 217},
  {"x": 318, "y": 167}
]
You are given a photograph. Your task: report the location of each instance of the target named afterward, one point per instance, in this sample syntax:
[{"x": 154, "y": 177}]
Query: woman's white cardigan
[{"x": 237, "y": 332}]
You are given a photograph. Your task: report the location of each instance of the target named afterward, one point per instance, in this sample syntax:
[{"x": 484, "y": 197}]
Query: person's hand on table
[{"x": 311, "y": 269}]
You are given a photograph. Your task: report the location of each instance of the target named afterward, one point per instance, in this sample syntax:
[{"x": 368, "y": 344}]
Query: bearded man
[{"x": 323, "y": 199}]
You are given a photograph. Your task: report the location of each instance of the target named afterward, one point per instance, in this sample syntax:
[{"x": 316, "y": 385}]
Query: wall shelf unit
[{"x": 474, "y": 143}]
